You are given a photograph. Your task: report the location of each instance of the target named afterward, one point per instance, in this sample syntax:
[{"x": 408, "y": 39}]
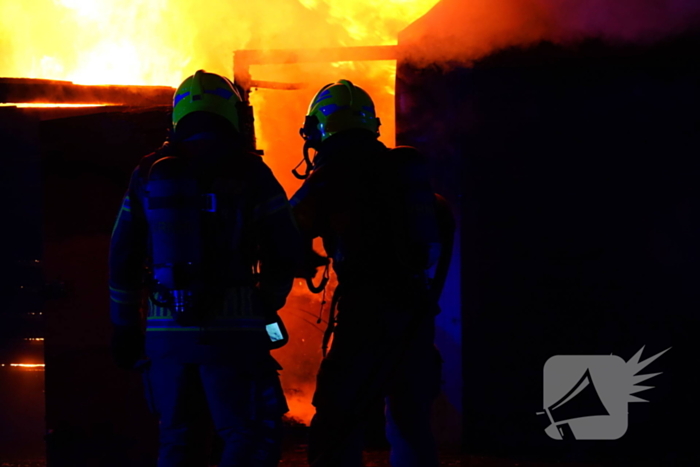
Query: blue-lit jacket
[{"x": 251, "y": 199}]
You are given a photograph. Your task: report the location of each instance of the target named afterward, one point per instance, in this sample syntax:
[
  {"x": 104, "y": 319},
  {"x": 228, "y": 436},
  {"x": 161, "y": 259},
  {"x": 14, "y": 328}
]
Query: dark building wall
[
  {"x": 420, "y": 108},
  {"x": 574, "y": 174},
  {"x": 64, "y": 174},
  {"x": 21, "y": 389},
  {"x": 95, "y": 413}
]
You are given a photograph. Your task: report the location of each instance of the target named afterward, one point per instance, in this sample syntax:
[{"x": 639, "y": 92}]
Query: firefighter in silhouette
[
  {"x": 380, "y": 223},
  {"x": 207, "y": 234}
]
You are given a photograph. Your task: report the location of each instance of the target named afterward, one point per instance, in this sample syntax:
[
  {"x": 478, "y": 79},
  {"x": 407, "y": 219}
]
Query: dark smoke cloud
[
  {"x": 461, "y": 30},
  {"x": 626, "y": 20}
]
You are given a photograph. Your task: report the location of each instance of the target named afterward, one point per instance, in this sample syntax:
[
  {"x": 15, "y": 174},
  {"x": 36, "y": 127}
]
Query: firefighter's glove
[
  {"x": 309, "y": 267},
  {"x": 127, "y": 346}
]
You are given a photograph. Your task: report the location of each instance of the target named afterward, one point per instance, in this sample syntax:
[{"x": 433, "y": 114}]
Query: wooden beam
[
  {"x": 243, "y": 59},
  {"x": 35, "y": 91}
]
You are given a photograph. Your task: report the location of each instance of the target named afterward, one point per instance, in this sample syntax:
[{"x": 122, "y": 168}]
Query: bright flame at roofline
[
  {"x": 47, "y": 105},
  {"x": 160, "y": 42},
  {"x": 36, "y": 366}
]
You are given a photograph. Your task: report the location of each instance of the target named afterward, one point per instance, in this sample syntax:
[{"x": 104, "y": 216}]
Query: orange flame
[
  {"x": 47, "y": 105},
  {"x": 26, "y": 366},
  {"x": 162, "y": 41}
]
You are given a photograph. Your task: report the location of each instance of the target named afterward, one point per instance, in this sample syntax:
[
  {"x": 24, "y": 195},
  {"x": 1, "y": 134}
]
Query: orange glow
[
  {"x": 26, "y": 366},
  {"x": 160, "y": 42},
  {"x": 43, "y": 106},
  {"x": 302, "y": 356}
]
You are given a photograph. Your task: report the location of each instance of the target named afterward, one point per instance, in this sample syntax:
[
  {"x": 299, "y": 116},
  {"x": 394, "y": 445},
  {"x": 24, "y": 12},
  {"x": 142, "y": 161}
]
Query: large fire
[{"x": 160, "y": 42}]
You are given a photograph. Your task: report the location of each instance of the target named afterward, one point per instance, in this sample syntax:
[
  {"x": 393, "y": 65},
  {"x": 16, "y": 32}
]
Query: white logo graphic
[{"x": 586, "y": 396}]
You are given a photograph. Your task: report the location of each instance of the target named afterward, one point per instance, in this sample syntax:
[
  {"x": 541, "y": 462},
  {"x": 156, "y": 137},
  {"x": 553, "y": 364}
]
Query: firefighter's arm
[
  {"x": 127, "y": 255},
  {"x": 305, "y": 211},
  {"x": 416, "y": 214},
  {"x": 279, "y": 243},
  {"x": 447, "y": 227}
]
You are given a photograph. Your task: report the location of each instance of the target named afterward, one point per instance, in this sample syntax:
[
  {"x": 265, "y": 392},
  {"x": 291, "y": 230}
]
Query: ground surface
[
  {"x": 381, "y": 459},
  {"x": 297, "y": 458}
]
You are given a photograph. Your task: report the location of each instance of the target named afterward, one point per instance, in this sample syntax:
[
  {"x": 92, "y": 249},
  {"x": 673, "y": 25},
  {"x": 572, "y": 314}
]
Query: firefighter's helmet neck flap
[
  {"x": 335, "y": 108},
  {"x": 205, "y": 106}
]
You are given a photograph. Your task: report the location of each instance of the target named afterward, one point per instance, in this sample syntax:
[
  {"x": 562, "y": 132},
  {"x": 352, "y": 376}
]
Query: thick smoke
[
  {"x": 463, "y": 31},
  {"x": 622, "y": 20}
]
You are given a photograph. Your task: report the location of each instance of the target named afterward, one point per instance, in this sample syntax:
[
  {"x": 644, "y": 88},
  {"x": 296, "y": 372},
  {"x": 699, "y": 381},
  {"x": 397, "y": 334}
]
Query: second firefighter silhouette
[
  {"x": 215, "y": 231},
  {"x": 378, "y": 217}
]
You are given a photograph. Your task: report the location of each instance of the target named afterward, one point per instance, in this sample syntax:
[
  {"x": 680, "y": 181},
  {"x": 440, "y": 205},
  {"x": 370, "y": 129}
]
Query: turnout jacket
[
  {"x": 375, "y": 211},
  {"x": 255, "y": 224}
]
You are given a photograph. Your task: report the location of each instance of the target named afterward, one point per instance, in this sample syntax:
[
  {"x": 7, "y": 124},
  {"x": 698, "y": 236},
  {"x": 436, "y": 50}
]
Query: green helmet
[
  {"x": 338, "y": 107},
  {"x": 206, "y": 92}
]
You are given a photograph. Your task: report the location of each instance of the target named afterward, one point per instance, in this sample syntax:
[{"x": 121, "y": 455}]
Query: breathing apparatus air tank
[{"x": 173, "y": 210}]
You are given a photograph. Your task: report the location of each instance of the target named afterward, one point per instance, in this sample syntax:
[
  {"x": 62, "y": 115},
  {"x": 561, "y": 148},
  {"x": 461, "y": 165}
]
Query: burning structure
[{"x": 561, "y": 137}]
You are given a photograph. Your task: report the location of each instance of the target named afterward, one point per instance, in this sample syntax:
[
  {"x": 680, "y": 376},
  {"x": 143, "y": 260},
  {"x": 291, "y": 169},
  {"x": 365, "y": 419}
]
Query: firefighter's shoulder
[
  {"x": 407, "y": 154},
  {"x": 256, "y": 167},
  {"x": 148, "y": 160}
]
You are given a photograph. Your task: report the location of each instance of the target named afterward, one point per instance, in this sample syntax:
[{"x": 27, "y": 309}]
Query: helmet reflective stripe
[
  {"x": 332, "y": 108},
  {"x": 221, "y": 92},
  {"x": 338, "y": 107},
  {"x": 179, "y": 97},
  {"x": 324, "y": 94},
  {"x": 206, "y": 92}
]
